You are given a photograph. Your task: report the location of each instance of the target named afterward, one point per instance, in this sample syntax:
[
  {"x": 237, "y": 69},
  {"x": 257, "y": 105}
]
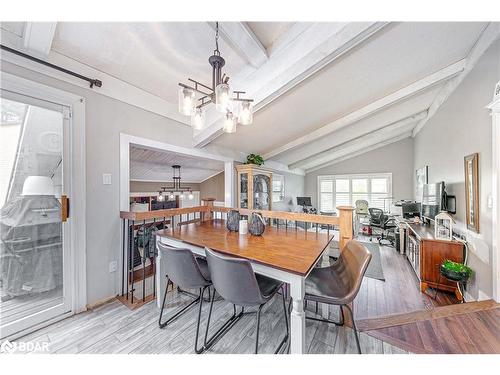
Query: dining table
[{"x": 285, "y": 254}]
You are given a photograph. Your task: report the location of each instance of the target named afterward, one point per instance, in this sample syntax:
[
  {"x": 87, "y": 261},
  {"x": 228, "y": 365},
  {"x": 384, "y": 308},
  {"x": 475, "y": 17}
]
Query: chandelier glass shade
[
  {"x": 230, "y": 122},
  {"x": 187, "y": 101},
  {"x": 198, "y": 119},
  {"x": 222, "y": 97},
  {"x": 193, "y": 97},
  {"x": 245, "y": 114}
]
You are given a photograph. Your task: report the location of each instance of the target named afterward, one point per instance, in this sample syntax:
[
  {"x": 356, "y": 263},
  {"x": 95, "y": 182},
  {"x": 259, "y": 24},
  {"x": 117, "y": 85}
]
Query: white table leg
[{"x": 297, "y": 317}]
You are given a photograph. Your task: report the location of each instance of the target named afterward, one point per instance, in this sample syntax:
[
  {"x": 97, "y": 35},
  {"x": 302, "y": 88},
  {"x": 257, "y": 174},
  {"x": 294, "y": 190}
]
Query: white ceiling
[
  {"x": 269, "y": 32},
  {"x": 304, "y": 76},
  {"x": 395, "y": 57},
  {"x": 154, "y": 165}
]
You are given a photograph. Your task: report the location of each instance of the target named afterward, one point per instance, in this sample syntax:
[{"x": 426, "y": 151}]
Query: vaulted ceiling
[{"x": 323, "y": 92}]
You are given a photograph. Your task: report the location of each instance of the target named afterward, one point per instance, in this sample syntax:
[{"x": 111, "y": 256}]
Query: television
[
  {"x": 304, "y": 201},
  {"x": 434, "y": 200}
]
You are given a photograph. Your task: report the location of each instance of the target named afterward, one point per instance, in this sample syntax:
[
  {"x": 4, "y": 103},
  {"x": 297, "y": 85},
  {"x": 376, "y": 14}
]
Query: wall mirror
[{"x": 471, "y": 166}]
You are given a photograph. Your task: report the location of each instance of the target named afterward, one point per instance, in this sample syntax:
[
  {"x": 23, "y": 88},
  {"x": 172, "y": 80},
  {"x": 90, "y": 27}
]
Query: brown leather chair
[{"x": 339, "y": 283}]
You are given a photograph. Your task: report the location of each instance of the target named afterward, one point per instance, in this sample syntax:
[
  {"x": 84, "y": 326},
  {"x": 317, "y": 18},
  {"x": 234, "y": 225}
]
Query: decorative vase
[
  {"x": 233, "y": 221},
  {"x": 257, "y": 224}
]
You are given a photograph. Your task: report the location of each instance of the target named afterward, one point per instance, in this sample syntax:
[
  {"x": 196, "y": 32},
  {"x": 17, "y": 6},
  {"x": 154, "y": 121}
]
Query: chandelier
[
  {"x": 176, "y": 188},
  {"x": 236, "y": 110}
]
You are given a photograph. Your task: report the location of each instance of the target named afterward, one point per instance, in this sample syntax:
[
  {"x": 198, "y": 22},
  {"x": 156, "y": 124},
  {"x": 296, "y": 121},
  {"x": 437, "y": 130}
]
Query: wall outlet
[
  {"x": 113, "y": 266},
  {"x": 106, "y": 179}
]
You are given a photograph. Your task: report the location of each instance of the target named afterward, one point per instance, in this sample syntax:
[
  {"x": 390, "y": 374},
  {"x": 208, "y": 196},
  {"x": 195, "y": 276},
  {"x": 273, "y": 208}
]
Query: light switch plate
[{"x": 106, "y": 179}]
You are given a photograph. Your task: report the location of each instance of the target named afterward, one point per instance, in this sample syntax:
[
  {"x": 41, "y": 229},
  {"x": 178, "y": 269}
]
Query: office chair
[
  {"x": 384, "y": 223},
  {"x": 361, "y": 211}
]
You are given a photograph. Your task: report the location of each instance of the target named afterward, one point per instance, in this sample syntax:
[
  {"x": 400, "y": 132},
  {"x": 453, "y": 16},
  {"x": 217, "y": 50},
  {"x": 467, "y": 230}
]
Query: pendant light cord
[{"x": 216, "y": 52}]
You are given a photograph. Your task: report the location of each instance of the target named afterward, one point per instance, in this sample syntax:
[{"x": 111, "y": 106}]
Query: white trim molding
[
  {"x": 494, "y": 107},
  {"x": 77, "y": 179}
]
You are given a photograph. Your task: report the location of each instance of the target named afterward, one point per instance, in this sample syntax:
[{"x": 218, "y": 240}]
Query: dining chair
[
  {"x": 235, "y": 281},
  {"x": 187, "y": 272},
  {"x": 339, "y": 283}
]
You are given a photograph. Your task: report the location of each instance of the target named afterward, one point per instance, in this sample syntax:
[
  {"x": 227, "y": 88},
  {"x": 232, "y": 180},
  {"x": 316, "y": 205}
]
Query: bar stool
[
  {"x": 187, "y": 272},
  {"x": 236, "y": 282},
  {"x": 339, "y": 283}
]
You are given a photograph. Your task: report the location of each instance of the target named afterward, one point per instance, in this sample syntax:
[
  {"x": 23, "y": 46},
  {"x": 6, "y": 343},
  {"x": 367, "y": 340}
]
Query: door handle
[{"x": 64, "y": 208}]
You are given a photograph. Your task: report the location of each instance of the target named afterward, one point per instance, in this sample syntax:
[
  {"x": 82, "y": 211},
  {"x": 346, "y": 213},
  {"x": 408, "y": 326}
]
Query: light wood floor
[{"x": 113, "y": 328}]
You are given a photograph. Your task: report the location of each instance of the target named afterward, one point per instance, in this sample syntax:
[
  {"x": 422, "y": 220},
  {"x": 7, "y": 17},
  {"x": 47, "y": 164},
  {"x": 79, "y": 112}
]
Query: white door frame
[
  {"x": 494, "y": 107},
  {"x": 77, "y": 184}
]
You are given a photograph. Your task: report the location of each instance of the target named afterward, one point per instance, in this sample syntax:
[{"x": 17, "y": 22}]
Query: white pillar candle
[{"x": 243, "y": 226}]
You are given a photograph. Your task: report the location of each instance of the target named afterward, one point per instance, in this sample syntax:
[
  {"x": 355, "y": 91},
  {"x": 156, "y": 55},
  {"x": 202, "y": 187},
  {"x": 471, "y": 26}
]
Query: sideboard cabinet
[{"x": 426, "y": 254}]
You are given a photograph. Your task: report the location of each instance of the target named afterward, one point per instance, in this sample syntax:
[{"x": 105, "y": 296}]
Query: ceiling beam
[
  {"x": 382, "y": 133},
  {"x": 38, "y": 37},
  {"x": 242, "y": 39},
  {"x": 402, "y": 94},
  {"x": 486, "y": 39},
  {"x": 314, "y": 48},
  {"x": 363, "y": 149}
]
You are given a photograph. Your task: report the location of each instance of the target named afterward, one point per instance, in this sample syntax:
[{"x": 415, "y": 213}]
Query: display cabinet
[{"x": 254, "y": 187}]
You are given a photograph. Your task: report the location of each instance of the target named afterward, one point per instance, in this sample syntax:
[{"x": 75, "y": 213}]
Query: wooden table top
[{"x": 289, "y": 250}]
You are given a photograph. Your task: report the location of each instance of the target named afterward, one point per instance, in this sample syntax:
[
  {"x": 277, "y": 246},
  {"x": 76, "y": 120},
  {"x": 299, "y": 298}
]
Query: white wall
[
  {"x": 396, "y": 158},
  {"x": 462, "y": 126},
  {"x": 105, "y": 118}
]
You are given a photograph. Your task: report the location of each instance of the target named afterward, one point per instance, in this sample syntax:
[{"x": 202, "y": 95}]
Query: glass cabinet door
[
  {"x": 261, "y": 191},
  {"x": 243, "y": 190}
]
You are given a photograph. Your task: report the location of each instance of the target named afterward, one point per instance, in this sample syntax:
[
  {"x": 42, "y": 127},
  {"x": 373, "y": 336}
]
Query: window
[
  {"x": 345, "y": 190},
  {"x": 278, "y": 188}
]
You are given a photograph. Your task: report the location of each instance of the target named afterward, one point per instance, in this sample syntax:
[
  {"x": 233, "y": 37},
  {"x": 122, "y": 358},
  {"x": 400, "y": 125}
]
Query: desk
[{"x": 285, "y": 255}]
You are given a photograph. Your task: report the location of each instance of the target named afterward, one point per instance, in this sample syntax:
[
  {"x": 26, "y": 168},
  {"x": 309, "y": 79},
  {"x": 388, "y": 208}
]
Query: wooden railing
[{"x": 139, "y": 226}]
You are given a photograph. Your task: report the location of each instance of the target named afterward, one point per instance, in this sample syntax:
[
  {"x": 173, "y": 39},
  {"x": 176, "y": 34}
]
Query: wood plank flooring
[
  {"x": 113, "y": 328},
  {"x": 471, "y": 328}
]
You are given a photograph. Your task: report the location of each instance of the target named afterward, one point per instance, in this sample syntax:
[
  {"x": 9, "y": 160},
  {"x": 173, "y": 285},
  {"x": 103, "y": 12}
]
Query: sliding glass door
[{"x": 35, "y": 267}]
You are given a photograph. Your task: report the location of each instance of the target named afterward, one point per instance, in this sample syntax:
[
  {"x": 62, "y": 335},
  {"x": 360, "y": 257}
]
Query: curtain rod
[{"x": 93, "y": 82}]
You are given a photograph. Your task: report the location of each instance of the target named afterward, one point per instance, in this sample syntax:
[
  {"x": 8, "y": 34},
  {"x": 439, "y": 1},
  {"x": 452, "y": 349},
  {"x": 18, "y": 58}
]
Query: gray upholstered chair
[
  {"x": 187, "y": 272},
  {"x": 236, "y": 282},
  {"x": 339, "y": 283}
]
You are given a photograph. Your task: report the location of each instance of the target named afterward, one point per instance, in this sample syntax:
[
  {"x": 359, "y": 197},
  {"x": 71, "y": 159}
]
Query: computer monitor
[
  {"x": 304, "y": 201},
  {"x": 410, "y": 210}
]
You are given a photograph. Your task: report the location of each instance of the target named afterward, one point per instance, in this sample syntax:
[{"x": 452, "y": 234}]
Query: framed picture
[
  {"x": 471, "y": 167},
  {"x": 422, "y": 176}
]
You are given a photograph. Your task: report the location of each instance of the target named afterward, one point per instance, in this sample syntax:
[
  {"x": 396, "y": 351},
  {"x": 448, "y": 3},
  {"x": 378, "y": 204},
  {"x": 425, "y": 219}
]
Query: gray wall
[
  {"x": 105, "y": 118},
  {"x": 396, "y": 158},
  {"x": 462, "y": 126},
  {"x": 213, "y": 187}
]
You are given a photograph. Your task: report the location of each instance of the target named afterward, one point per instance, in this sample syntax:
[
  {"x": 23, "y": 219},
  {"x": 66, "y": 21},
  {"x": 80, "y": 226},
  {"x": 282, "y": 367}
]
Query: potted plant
[
  {"x": 255, "y": 159},
  {"x": 455, "y": 271}
]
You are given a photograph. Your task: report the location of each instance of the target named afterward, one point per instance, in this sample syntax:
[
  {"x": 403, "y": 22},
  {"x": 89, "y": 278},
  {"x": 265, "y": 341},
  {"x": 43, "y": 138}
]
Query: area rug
[{"x": 375, "y": 269}]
